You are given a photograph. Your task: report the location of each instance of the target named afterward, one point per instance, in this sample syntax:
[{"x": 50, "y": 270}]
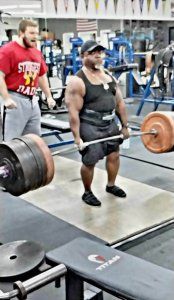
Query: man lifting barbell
[
  {"x": 92, "y": 97},
  {"x": 22, "y": 69},
  {"x": 26, "y": 163}
]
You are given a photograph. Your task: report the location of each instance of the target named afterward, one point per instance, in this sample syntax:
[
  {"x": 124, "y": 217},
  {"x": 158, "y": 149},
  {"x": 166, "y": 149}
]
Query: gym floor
[
  {"x": 148, "y": 183},
  {"x": 146, "y": 177}
]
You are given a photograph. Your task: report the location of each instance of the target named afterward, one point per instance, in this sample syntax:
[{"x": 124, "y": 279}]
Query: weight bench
[
  {"x": 51, "y": 123},
  {"x": 120, "y": 274},
  {"x": 124, "y": 68},
  {"x": 58, "y": 128}
]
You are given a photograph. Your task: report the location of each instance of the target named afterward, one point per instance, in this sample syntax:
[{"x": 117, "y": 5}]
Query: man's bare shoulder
[
  {"x": 75, "y": 81},
  {"x": 75, "y": 84}
]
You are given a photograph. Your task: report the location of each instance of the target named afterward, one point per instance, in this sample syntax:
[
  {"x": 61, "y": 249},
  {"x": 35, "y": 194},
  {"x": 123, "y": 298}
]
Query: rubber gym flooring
[{"x": 116, "y": 218}]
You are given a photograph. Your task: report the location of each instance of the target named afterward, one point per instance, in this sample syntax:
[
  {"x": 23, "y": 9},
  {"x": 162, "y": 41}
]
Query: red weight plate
[
  {"x": 163, "y": 123},
  {"x": 47, "y": 156}
]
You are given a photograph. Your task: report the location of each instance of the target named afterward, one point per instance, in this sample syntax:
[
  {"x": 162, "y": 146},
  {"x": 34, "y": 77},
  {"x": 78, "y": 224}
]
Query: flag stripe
[{"x": 86, "y": 25}]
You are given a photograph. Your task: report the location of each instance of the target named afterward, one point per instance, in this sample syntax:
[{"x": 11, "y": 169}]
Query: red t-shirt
[{"x": 22, "y": 67}]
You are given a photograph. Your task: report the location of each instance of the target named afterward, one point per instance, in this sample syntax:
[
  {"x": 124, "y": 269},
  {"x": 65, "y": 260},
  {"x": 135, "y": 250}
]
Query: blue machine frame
[
  {"x": 147, "y": 93},
  {"x": 60, "y": 143}
]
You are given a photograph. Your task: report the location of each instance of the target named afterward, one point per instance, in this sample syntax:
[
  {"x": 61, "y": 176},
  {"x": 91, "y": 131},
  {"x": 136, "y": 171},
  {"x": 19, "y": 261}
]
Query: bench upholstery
[{"x": 116, "y": 272}]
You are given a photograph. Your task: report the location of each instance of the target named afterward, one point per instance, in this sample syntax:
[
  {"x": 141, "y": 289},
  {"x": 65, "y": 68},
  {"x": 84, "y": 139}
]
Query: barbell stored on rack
[
  {"x": 22, "y": 289},
  {"x": 26, "y": 163}
]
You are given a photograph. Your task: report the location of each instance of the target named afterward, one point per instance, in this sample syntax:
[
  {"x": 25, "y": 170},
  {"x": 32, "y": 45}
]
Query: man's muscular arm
[
  {"x": 74, "y": 100},
  {"x": 121, "y": 112}
]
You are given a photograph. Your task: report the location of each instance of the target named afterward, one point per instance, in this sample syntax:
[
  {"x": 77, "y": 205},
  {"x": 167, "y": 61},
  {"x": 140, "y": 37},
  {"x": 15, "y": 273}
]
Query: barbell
[{"x": 26, "y": 162}]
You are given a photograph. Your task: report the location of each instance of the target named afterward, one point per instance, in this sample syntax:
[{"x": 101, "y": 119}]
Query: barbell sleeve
[
  {"x": 4, "y": 171},
  {"x": 42, "y": 279},
  {"x": 22, "y": 289},
  {"x": 151, "y": 132}
]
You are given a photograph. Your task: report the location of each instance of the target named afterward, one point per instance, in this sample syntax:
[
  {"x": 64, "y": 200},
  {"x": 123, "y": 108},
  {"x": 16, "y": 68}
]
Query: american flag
[{"x": 86, "y": 25}]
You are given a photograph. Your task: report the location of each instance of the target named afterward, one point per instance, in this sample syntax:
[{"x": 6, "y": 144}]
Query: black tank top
[{"x": 97, "y": 98}]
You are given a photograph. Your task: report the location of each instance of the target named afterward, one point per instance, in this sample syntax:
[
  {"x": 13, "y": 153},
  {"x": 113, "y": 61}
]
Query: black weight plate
[
  {"x": 39, "y": 158},
  {"x": 9, "y": 158},
  {"x": 24, "y": 170},
  {"x": 20, "y": 257},
  {"x": 28, "y": 164}
]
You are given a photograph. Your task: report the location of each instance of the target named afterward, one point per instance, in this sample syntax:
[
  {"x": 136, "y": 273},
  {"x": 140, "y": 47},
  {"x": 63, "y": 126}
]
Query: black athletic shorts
[{"x": 93, "y": 153}]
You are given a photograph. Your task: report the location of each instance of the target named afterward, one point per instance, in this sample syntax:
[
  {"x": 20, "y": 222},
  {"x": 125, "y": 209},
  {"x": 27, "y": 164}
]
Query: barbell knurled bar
[
  {"x": 115, "y": 137},
  {"x": 121, "y": 136}
]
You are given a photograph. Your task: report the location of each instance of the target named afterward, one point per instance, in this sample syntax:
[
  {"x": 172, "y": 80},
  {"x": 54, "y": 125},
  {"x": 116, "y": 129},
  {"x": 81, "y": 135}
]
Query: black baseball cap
[{"x": 91, "y": 45}]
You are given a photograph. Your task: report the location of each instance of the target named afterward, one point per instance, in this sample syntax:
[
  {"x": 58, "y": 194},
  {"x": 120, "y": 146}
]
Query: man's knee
[
  {"x": 113, "y": 157},
  {"x": 87, "y": 167}
]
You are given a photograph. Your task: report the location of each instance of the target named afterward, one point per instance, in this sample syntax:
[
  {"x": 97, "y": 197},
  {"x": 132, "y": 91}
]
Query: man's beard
[
  {"x": 27, "y": 42},
  {"x": 97, "y": 67}
]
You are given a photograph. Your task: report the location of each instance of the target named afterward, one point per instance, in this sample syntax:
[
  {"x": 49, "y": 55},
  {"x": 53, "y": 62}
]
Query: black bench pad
[
  {"x": 121, "y": 274},
  {"x": 63, "y": 126}
]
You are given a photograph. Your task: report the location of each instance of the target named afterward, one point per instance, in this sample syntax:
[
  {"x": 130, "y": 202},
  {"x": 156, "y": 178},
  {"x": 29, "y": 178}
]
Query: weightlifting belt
[
  {"x": 97, "y": 118},
  {"x": 104, "y": 116}
]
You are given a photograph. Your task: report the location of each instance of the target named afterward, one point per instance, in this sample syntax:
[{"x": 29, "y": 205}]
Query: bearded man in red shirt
[{"x": 22, "y": 71}]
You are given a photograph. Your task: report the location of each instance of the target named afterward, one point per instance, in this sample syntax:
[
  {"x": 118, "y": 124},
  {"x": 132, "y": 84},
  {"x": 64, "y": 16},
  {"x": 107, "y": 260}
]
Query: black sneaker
[
  {"x": 90, "y": 199},
  {"x": 116, "y": 191}
]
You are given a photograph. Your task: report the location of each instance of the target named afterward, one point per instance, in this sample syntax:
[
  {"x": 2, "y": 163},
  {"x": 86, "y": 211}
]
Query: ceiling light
[
  {"x": 23, "y": 12},
  {"x": 8, "y": 6},
  {"x": 30, "y": 6}
]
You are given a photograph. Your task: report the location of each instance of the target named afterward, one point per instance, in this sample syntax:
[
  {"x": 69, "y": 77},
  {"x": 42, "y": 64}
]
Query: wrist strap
[{"x": 125, "y": 125}]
